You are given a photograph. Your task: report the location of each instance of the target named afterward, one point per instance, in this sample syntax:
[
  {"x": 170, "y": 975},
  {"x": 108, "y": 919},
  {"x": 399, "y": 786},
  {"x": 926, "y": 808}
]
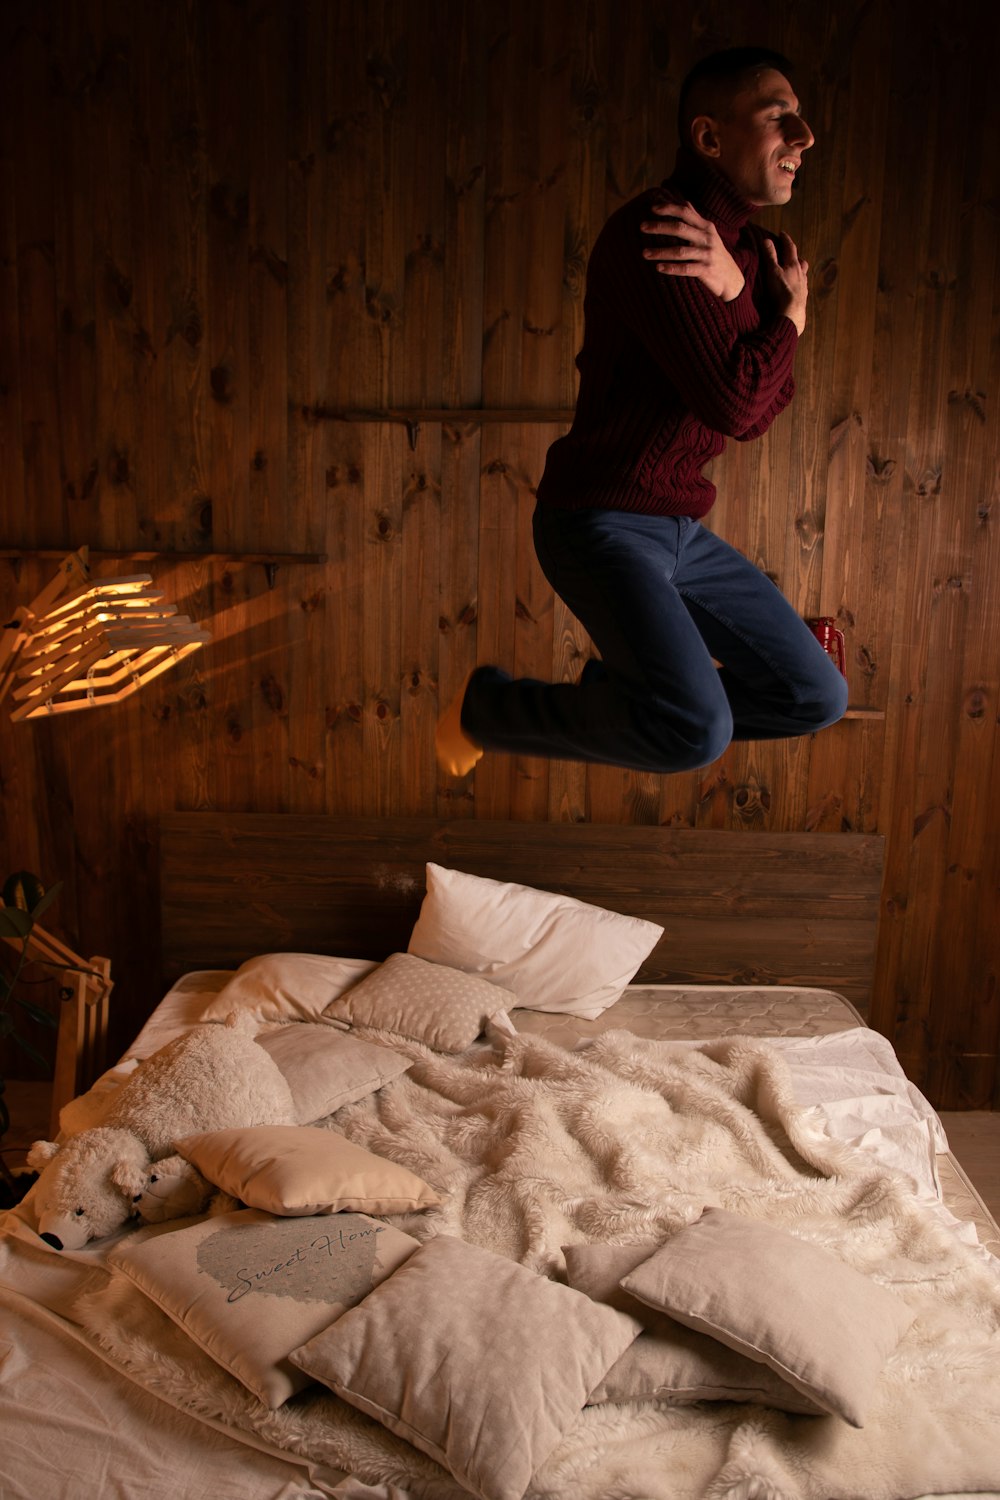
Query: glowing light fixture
[{"x": 99, "y": 644}]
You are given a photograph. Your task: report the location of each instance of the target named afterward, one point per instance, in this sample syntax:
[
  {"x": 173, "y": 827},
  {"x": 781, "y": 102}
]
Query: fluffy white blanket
[{"x": 534, "y": 1147}]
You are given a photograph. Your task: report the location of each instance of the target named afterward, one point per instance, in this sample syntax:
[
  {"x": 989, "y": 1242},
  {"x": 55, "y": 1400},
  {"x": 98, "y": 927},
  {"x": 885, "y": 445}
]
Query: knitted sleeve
[
  {"x": 732, "y": 369},
  {"x": 758, "y": 429}
]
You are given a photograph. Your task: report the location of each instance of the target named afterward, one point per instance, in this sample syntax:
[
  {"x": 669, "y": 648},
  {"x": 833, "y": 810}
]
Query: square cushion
[
  {"x": 822, "y": 1326},
  {"x": 552, "y": 952},
  {"x": 303, "y": 1169},
  {"x": 669, "y": 1362},
  {"x": 249, "y": 1288},
  {"x": 473, "y": 1359},
  {"x": 286, "y": 986},
  {"x": 442, "y": 1007},
  {"x": 326, "y": 1068}
]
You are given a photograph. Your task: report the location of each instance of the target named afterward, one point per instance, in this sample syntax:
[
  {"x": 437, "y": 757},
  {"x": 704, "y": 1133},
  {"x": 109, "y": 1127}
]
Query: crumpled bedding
[
  {"x": 621, "y": 1140},
  {"x": 847, "y": 1083}
]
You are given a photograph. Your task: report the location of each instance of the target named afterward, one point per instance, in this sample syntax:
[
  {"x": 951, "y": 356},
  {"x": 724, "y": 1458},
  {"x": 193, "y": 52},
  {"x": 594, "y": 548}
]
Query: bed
[{"x": 677, "y": 1098}]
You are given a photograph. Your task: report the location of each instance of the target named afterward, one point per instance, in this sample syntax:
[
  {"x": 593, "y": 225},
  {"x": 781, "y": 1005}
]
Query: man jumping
[{"x": 689, "y": 338}]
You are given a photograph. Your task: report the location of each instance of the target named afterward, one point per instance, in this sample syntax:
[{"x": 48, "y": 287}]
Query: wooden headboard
[{"x": 737, "y": 908}]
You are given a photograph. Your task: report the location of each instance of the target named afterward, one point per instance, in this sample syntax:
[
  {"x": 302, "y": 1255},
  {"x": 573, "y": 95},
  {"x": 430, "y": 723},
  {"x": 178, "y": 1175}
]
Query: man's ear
[{"x": 703, "y": 136}]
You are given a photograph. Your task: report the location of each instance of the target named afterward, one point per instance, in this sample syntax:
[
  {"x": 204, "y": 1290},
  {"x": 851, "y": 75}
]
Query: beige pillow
[
  {"x": 552, "y": 952},
  {"x": 669, "y": 1362},
  {"x": 431, "y": 1003},
  {"x": 286, "y": 986},
  {"x": 817, "y": 1322},
  {"x": 326, "y": 1068},
  {"x": 303, "y": 1169},
  {"x": 249, "y": 1288},
  {"x": 475, "y": 1360}
]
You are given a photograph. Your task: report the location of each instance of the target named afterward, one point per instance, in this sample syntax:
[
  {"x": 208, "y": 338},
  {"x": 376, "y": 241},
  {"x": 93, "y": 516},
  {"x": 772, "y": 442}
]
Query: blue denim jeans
[{"x": 663, "y": 600}]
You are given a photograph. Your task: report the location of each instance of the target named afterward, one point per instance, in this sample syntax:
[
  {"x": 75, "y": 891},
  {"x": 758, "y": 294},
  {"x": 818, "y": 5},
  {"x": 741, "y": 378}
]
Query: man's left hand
[{"x": 697, "y": 249}]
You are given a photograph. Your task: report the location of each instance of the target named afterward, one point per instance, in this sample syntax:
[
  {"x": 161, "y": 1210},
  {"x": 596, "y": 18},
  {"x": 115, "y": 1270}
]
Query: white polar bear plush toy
[
  {"x": 172, "y": 1188},
  {"x": 212, "y": 1078}
]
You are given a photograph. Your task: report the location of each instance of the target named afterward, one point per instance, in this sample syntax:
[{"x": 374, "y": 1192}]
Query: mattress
[
  {"x": 843, "y": 1074},
  {"x": 877, "y": 1105}
]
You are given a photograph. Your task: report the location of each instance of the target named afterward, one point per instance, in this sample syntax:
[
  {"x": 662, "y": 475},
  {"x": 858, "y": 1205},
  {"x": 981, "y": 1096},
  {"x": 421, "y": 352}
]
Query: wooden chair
[{"x": 85, "y": 987}]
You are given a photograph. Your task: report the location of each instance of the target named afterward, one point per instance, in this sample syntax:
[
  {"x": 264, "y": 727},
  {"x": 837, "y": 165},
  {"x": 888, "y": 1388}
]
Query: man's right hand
[
  {"x": 695, "y": 249},
  {"x": 787, "y": 279}
]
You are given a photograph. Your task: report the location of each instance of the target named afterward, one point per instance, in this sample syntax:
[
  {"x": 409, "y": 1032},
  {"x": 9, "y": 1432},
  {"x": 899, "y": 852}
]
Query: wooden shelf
[
  {"x": 411, "y": 417},
  {"x": 270, "y": 561},
  {"x": 861, "y": 712},
  {"x": 472, "y": 414}
]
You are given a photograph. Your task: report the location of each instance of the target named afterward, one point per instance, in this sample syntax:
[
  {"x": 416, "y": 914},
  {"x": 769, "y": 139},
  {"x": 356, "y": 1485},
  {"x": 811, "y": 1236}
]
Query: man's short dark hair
[{"x": 713, "y": 82}]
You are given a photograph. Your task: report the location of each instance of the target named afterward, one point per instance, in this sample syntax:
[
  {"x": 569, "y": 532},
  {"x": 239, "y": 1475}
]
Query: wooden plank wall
[
  {"x": 224, "y": 221},
  {"x": 733, "y": 908}
]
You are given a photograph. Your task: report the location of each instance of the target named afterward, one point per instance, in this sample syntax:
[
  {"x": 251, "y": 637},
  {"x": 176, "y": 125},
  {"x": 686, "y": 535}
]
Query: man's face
[{"x": 759, "y": 141}]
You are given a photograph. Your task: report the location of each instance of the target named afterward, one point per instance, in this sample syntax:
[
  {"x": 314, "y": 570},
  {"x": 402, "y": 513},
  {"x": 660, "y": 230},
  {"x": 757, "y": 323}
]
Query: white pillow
[
  {"x": 325, "y": 1069},
  {"x": 287, "y": 986},
  {"x": 668, "y": 1361},
  {"x": 474, "y": 1359},
  {"x": 822, "y": 1326},
  {"x": 442, "y": 1007},
  {"x": 249, "y": 1288},
  {"x": 552, "y": 952},
  {"x": 304, "y": 1169}
]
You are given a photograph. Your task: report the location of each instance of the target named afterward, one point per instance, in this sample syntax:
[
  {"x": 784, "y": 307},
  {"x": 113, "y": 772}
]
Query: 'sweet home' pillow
[{"x": 249, "y": 1288}]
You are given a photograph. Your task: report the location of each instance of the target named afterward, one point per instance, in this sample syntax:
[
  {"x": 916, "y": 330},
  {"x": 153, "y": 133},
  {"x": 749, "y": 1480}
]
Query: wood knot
[
  {"x": 222, "y": 383},
  {"x": 879, "y": 470},
  {"x": 974, "y": 400},
  {"x": 827, "y": 275},
  {"x": 119, "y": 471},
  {"x": 975, "y": 704},
  {"x": 271, "y": 693}
]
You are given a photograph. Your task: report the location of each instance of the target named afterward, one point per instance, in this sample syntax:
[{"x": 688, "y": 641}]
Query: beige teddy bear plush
[
  {"x": 211, "y": 1078},
  {"x": 173, "y": 1189}
]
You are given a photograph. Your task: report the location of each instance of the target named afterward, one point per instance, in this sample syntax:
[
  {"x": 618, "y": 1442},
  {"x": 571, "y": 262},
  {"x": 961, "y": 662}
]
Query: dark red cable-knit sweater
[{"x": 668, "y": 370}]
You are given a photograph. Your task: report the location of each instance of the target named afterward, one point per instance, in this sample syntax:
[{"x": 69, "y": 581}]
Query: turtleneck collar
[{"x": 711, "y": 193}]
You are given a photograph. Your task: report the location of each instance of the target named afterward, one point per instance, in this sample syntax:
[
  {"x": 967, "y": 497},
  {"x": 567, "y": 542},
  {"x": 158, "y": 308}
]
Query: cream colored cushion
[
  {"x": 669, "y": 1362},
  {"x": 472, "y": 1358},
  {"x": 429, "y": 1002},
  {"x": 303, "y": 1169},
  {"x": 286, "y": 986},
  {"x": 326, "y": 1068},
  {"x": 552, "y": 952},
  {"x": 817, "y": 1322},
  {"x": 249, "y": 1288}
]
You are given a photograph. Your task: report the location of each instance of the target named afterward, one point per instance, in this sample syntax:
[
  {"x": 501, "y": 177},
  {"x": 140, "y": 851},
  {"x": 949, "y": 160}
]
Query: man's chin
[{"x": 777, "y": 195}]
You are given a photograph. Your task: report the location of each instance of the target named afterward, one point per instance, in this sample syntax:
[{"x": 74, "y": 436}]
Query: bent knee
[
  {"x": 829, "y": 705},
  {"x": 694, "y": 744},
  {"x": 712, "y": 742}
]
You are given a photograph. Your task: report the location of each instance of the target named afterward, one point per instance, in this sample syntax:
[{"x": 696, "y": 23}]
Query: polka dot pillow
[{"x": 442, "y": 1007}]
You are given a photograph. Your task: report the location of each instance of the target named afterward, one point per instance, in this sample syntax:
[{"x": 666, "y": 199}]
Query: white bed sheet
[{"x": 94, "y": 1432}]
